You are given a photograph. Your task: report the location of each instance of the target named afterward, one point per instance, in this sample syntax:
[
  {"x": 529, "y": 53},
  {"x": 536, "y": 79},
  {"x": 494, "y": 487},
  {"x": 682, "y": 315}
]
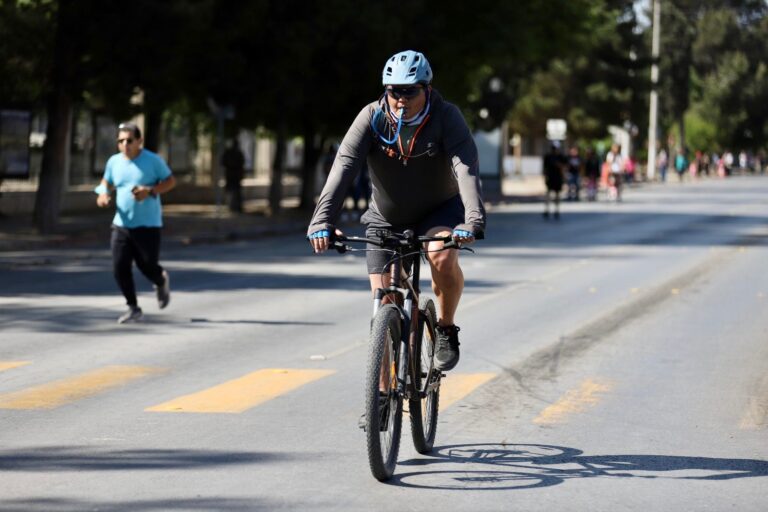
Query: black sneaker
[
  {"x": 133, "y": 314},
  {"x": 164, "y": 291},
  {"x": 447, "y": 347}
]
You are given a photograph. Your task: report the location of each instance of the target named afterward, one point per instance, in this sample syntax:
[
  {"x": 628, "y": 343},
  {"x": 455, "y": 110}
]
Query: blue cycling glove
[
  {"x": 323, "y": 233},
  {"x": 460, "y": 233}
]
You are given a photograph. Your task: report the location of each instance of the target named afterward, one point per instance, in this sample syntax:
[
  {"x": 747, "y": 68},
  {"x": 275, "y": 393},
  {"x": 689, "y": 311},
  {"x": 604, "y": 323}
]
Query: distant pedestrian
[
  {"x": 233, "y": 162},
  {"x": 721, "y": 170},
  {"x": 360, "y": 190},
  {"x": 681, "y": 164},
  {"x": 615, "y": 163},
  {"x": 743, "y": 162},
  {"x": 554, "y": 167},
  {"x": 328, "y": 158},
  {"x": 705, "y": 164},
  {"x": 591, "y": 173},
  {"x": 574, "y": 174},
  {"x": 663, "y": 163},
  {"x": 728, "y": 162},
  {"x": 630, "y": 169},
  {"x": 139, "y": 176}
]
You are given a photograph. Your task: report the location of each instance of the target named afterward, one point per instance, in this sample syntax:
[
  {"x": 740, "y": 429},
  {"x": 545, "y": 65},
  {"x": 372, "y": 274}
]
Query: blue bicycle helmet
[{"x": 408, "y": 67}]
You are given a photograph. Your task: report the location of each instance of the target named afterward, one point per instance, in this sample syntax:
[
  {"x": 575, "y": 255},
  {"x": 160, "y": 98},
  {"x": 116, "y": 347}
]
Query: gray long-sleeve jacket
[{"x": 446, "y": 165}]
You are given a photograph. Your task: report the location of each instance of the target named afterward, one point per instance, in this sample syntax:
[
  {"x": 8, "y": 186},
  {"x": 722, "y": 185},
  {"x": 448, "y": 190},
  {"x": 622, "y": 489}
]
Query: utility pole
[{"x": 652, "y": 118}]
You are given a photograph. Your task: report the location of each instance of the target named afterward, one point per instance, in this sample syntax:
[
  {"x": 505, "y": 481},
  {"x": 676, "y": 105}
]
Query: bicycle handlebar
[{"x": 392, "y": 241}]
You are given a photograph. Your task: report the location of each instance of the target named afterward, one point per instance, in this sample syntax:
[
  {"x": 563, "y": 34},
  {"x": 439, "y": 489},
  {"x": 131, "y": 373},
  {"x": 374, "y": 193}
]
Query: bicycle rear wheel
[
  {"x": 424, "y": 410},
  {"x": 383, "y": 404}
]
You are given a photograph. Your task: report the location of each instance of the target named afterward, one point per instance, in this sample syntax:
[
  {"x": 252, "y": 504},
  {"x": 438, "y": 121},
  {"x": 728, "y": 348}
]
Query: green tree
[
  {"x": 24, "y": 38},
  {"x": 731, "y": 56},
  {"x": 604, "y": 84},
  {"x": 713, "y": 63}
]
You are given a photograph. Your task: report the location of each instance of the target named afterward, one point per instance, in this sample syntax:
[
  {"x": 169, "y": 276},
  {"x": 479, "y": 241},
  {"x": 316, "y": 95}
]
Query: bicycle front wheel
[
  {"x": 383, "y": 403},
  {"x": 424, "y": 408}
]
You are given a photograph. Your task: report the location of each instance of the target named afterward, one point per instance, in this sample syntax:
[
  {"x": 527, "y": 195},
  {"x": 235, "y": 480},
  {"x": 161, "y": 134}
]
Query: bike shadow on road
[{"x": 526, "y": 466}]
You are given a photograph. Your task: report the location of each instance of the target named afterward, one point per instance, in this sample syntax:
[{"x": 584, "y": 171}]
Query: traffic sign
[{"x": 556, "y": 129}]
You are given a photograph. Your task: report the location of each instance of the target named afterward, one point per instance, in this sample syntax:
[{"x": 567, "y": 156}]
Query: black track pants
[{"x": 141, "y": 245}]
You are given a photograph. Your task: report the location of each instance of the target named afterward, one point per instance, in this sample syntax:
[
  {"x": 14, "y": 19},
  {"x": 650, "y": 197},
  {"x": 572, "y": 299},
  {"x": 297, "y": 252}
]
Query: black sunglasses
[
  {"x": 404, "y": 92},
  {"x": 127, "y": 141}
]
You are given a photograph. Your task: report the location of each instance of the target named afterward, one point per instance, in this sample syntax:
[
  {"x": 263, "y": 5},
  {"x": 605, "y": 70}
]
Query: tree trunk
[
  {"x": 312, "y": 148},
  {"x": 59, "y": 109},
  {"x": 276, "y": 175},
  {"x": 52, "y": 172},
  {"x": 681, "y": 122},
  {"x": 152, "y": 127}
]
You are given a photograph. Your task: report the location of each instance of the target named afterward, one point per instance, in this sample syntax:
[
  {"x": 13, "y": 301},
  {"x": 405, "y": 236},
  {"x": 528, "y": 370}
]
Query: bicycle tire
[
  {"x": 424, "y": 410},
  {"x": 383, "y": 424}
]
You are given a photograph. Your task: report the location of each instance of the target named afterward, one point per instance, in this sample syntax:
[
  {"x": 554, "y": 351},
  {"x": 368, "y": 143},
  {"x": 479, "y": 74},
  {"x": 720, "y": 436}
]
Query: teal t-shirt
[{"x": 147, "y": 169}]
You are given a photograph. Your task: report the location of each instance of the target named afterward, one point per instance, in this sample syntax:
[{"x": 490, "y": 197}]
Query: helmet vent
[{"x": 408, "y": 67}]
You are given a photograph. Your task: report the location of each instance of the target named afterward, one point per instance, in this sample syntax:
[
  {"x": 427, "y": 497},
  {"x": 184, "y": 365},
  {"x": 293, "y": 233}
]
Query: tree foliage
[
  {"x": 605, "y": 83},
  {"x": 713, "y": 72},
  {"x": 306, "y": 67}
]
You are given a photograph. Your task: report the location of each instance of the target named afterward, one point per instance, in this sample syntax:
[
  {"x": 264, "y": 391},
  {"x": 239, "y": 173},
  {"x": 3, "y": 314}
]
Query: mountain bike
[{"x": 401, "y": 352}]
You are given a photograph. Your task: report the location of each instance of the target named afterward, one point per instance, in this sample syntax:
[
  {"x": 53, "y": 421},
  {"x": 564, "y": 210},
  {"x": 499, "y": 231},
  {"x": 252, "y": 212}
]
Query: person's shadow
[{"x": 525, "y": 466}]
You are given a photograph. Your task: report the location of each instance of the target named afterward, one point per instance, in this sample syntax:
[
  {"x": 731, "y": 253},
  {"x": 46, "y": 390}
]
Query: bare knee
[{"x": 444, "y": 262}]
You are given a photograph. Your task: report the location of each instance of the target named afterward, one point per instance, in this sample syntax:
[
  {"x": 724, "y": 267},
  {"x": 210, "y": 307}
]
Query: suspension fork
[{"x": 406, "y": 343}]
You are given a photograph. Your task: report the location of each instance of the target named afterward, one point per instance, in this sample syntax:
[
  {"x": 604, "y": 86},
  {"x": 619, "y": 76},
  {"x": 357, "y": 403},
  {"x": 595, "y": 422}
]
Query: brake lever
[
  {"x": 340, "y": 247},
  {"x": 453, "y": 244}
]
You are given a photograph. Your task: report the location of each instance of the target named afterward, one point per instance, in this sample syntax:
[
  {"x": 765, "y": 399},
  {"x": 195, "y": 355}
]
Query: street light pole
[{"x": 653, "y": 115}]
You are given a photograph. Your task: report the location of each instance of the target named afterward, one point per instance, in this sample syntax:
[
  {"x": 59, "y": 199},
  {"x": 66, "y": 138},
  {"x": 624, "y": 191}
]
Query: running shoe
[
  {"x": 447, "y": 347},
  {"x": 133, "y": 314},
  {"x": 164, "y": 291}
]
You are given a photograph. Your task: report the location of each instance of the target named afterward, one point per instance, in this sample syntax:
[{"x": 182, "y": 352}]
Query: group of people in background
[
  {"x": 703, "y": 163},
  {"x": 573, "y": 171},
  {"x": 589, "y": 171}
]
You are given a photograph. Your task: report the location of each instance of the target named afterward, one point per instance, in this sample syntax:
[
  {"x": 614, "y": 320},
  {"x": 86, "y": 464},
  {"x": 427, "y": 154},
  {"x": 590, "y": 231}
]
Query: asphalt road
[{"x": 616, "y": 359}]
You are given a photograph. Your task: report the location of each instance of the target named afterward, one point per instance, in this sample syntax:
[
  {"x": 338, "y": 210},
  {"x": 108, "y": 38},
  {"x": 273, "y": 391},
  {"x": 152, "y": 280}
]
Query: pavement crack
[{"x": 547, "y": 363}]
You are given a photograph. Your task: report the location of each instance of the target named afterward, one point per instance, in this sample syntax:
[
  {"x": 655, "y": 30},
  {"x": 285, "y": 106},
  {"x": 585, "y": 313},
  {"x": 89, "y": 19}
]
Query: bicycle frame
[
  {"x": 406, "y": 298},
  {"x": 404, "y": 291}
]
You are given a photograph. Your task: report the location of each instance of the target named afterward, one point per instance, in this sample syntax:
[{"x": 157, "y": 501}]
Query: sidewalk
[{"x": 186, "y": 224}]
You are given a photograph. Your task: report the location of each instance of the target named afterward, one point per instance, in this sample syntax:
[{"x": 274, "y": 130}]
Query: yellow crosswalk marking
[
  {"x": 243, "y": 393},
  {"x": 7, "y": 365},
  {"x": 574, "y": 401},
  {"x": 458, "y": 385},
  {"x": 755, "y": 416},
  {"x": 60, "y": 392}
]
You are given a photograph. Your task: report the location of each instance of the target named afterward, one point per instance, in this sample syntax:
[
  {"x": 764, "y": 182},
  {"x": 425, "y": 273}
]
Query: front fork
[
  {"x": 407, "y": 343},
  {"x": 408, "y": 332}
]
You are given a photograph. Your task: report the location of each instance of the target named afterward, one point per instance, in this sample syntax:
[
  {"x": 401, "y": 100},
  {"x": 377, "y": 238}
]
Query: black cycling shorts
[{"x": 448, "y": 214}]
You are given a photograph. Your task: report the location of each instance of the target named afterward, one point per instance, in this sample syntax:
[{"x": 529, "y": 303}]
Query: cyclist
[{"x": 423, "y": 166}]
